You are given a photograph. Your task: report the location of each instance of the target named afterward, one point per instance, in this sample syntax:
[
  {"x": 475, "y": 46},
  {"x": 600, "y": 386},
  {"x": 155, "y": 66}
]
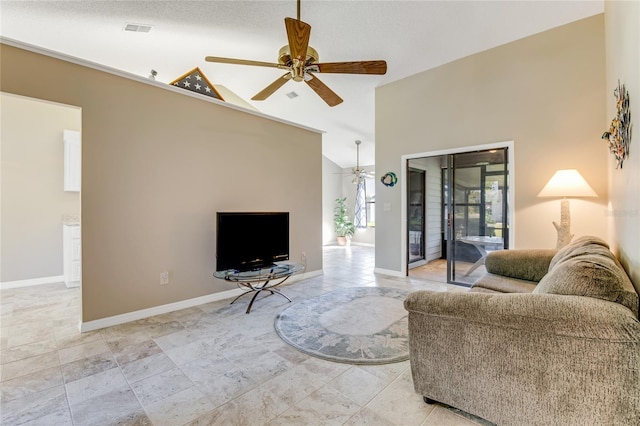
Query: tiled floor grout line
[{"x": 64, "y": 382}]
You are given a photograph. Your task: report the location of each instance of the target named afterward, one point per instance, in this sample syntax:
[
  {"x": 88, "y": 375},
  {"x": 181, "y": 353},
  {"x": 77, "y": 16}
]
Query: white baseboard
[
  {"x": 353, "y": 243},
  {"x": 305, "y": 275},
  {"x": 176, "y": 306},
  {"x": 33, "y": 281},
  {"x": 389, "y": 272},
  {"x": 358, "y": 243},
  {"x": 156, "y": 310}
]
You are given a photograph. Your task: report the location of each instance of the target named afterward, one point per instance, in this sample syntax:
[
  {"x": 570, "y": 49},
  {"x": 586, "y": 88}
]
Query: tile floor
[{"x": 206, "y": 365}]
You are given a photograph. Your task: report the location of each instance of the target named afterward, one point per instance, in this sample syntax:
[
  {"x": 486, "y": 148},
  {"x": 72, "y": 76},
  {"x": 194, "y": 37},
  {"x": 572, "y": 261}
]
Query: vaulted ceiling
[{"x": 412, "y": 36}]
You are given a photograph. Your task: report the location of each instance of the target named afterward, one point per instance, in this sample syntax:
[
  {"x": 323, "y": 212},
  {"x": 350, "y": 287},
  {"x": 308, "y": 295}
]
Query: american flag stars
[{"x": 192, "y": 81}]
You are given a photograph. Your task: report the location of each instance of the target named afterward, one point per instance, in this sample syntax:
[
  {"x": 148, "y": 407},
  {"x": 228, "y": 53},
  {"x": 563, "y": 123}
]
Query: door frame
[{"x": 403, "y": 189}]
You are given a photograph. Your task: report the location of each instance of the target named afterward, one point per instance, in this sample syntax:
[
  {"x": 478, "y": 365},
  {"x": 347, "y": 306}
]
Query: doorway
[
  {"x": 37, "y": 196},
  {"x": 457, "y": 212}
]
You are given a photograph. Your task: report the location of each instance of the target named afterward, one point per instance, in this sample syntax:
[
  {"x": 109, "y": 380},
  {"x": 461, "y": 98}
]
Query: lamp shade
[{"x": 567, "y": 183}]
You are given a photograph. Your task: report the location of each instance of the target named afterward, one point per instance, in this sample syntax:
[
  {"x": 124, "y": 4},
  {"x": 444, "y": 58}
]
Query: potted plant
[{"x": 343, "y": 226}]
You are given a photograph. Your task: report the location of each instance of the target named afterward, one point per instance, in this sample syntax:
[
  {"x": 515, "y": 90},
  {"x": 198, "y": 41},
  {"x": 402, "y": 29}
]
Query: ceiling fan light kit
[{"x": 301, "y": 63}]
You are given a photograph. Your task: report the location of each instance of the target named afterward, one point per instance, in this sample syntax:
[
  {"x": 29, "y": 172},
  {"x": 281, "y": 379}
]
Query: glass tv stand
[{"x": 259, "y": 280}]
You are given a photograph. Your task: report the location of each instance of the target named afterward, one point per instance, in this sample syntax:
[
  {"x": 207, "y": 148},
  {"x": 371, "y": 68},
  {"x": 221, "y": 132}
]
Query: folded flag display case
[{"x": 196, "y": 81}]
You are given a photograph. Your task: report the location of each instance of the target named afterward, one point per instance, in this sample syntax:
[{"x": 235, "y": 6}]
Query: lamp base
[{"x": 564, "y": 228}]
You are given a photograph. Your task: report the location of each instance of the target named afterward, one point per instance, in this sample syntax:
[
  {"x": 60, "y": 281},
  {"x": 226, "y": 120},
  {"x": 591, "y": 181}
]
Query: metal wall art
[
  {"x": 619, "y": 134},
  {"x": 389, "y": 179}
]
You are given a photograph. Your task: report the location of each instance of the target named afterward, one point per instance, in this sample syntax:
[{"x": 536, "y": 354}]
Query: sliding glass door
[{"x": 474, "y": 210}]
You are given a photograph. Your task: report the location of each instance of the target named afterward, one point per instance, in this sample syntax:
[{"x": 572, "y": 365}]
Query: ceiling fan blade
[
  {"x": 328, "y": 95},
  {"x": 298, "y": 33},
  {"x": 270, "y": 89},
  {"x": 241, "y": 62},
  {"x": 356, "y": 67}
]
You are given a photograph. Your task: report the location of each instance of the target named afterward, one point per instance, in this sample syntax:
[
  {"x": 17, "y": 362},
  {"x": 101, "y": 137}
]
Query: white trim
[
  {"x": 334, "y": 243},
  {"x": 31, "y": 282},
  {"x": 44, "y": 101},
  {"x": 459, "y": 150},
  {"x": 403, "y": 190},
  {"x": 140, "y": 79},
  {"x": 418, "y": 263},
  {"x": 357, "y": 243},
  {"x": 304, "y": 276},
  {"x": 170, "y": 307},
  {"x": 389, "y": 272}
]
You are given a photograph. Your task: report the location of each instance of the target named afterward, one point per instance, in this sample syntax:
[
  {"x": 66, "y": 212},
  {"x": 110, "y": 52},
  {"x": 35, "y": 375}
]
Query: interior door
[{"x": 476, "y": 193}]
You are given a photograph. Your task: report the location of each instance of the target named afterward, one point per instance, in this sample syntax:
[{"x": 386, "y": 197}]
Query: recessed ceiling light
[
  {"x": 138, "y": 28},
  {"x": 292, "y": 95}
]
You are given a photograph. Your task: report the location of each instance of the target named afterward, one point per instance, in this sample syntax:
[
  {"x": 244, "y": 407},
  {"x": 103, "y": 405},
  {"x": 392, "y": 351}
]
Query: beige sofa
[{"x": 544, "y": 338}]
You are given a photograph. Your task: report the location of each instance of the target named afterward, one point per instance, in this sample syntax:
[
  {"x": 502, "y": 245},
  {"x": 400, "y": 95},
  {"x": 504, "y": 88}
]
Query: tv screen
[{"x": 247, "y": 240}]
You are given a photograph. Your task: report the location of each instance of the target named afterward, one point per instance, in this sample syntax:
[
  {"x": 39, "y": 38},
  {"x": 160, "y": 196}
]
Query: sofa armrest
[
  {"x": 534, "y": 359},
  {"x": 525, "y": 264}
]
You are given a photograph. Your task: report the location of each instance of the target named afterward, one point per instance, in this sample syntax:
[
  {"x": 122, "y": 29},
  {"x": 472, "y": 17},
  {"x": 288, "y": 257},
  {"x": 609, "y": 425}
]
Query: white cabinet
[
  {"x": 72, "y": 266},
  {"x": 72, "y": 159}
]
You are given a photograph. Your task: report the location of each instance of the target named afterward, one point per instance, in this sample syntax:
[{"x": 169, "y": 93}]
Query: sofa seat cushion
[
  {"x": 589, "y": 270},
  {"x": 501, "y": 284}
]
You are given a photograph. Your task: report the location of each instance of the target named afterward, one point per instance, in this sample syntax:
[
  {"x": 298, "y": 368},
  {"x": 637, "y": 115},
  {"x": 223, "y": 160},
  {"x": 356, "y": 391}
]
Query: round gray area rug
[{"x": 358, "y": 325}]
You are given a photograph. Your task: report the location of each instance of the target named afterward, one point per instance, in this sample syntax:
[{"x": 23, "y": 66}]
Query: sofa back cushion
[
  {"x": 586, "y": 267},
  {"x": 524, "y": 264}
]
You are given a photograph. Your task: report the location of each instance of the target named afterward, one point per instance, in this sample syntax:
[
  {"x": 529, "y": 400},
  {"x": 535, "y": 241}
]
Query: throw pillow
[
  {"x": 579, "y": 246},
  {"x": 590, "y": 275}
]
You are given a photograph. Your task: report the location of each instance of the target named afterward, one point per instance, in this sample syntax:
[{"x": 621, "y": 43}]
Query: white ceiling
[{"x": 412, "y": 36}]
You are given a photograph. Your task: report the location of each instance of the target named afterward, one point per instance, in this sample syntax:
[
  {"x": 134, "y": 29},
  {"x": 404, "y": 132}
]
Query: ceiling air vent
[
  {"x": 292, "y": 95},
  {"x": 137, "y": 28}
]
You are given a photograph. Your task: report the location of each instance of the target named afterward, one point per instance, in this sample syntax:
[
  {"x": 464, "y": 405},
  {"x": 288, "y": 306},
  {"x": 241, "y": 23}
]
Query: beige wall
[
  {"x": 156, "y": 166},
  {"x": 33, "y": 200},
  {"x": 622, "y": 25},
  {"x": 545, "y": 92},
  {"x": 331, "y": 189}
]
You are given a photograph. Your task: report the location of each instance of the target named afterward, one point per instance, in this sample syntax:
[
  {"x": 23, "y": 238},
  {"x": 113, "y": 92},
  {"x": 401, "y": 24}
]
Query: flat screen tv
[{"x": 248, "y": 240}]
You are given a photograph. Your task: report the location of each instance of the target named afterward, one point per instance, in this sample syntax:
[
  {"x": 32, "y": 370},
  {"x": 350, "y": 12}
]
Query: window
[{"x": 370, "y": 201}]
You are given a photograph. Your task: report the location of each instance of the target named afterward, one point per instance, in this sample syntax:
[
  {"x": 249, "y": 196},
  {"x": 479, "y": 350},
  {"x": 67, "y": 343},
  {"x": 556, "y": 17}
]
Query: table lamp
[{"x": 566, "y": 183}]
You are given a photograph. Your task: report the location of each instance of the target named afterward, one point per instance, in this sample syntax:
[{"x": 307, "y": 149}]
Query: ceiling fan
[
  {"x": 360, "y": 174},
  {"x": 301, "y": 62}
]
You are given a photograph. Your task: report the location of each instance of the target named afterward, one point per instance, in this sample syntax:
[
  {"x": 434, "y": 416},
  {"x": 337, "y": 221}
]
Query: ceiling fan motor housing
[{"x": 297, "y": 67}]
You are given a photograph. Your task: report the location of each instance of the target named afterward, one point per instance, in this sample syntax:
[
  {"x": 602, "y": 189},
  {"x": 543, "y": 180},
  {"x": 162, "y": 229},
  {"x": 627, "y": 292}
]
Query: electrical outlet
[
  {"x": 303, "y": 257},
  {"x": 164, "y": 278}
]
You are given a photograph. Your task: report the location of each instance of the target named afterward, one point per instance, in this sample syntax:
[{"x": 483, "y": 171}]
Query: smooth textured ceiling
[{"x": 412, "y": 36}]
